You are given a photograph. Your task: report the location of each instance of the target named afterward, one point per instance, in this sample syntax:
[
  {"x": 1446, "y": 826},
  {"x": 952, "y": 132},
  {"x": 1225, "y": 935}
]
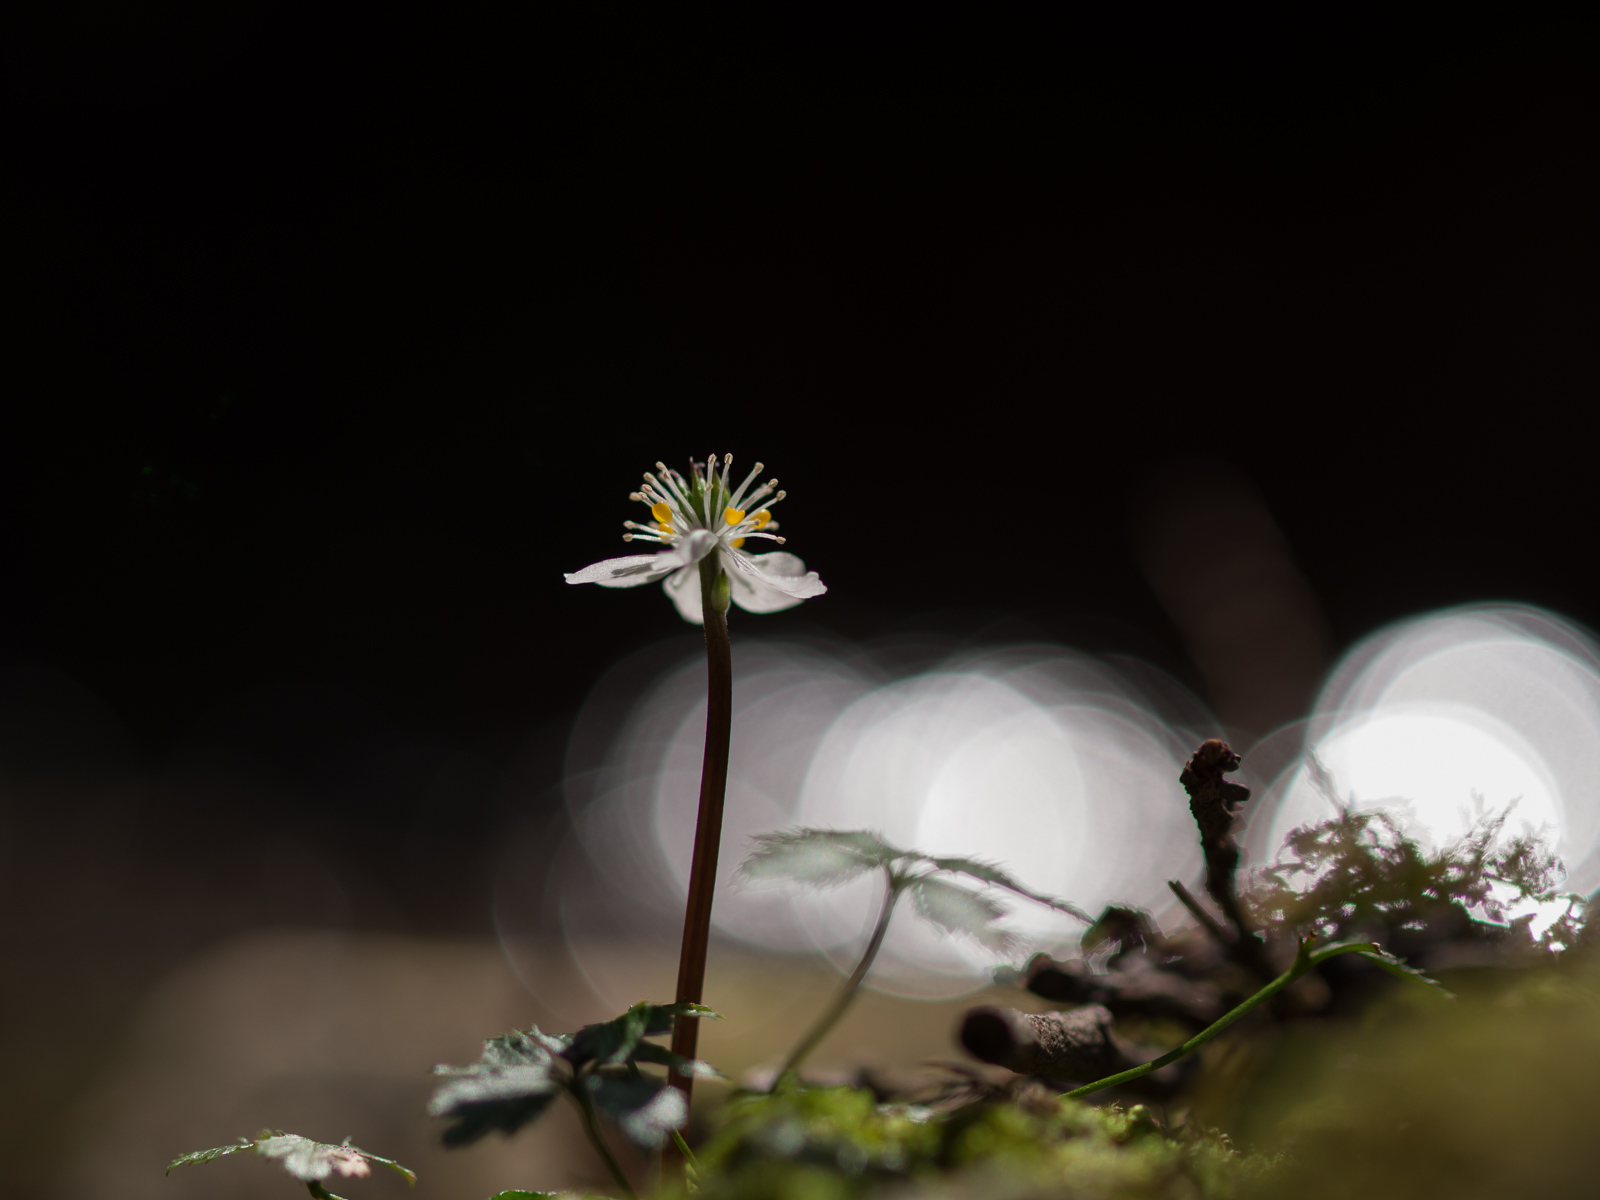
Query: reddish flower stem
[{"x": 708, "y": 826}]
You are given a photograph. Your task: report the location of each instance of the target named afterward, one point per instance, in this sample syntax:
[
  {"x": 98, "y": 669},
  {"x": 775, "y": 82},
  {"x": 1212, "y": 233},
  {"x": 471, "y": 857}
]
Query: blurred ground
[{"x": 331, "y": 1034}]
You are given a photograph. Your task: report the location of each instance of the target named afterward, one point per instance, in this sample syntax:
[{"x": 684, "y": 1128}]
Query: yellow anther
[
  {"x": 737, "y": 542},
  {"x": 733, "y": 515},
  {"x": 762, "y": 518},
  {"x": 661, "y": 512},
  {"x": 664, "y": 527}
]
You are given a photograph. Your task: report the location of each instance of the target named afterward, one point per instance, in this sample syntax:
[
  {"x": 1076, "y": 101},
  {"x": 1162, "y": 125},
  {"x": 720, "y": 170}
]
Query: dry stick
[
  {"x": 1199, "y": 914},
  {"x": 708, "y": 826},
  {"x": 830, "y": 1016}
]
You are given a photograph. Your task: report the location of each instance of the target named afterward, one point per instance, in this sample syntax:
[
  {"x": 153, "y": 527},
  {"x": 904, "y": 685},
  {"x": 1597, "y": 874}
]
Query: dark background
[{"x": 332, "y": 340}]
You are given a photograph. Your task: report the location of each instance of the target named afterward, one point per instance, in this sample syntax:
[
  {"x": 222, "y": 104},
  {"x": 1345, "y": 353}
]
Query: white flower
[{"x": 698, "y": 517}]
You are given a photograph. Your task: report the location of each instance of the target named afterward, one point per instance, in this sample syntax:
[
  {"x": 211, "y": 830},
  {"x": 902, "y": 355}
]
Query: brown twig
[
  {"x": 1213, "y": 801},
  {"x": 1207, "y": 921}
]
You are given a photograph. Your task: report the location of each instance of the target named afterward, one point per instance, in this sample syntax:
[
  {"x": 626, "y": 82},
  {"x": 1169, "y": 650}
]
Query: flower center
[{"x": 687, "y": 504}]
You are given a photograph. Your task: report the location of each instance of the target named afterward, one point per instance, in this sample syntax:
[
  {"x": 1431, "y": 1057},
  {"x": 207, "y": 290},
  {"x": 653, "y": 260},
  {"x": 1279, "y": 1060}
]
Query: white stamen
[{"x": 739, "y": 495}]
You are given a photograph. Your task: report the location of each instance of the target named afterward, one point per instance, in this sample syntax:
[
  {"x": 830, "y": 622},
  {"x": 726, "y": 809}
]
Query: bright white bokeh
[
  {"x": 1443, "y": 718},
  {"x": 1049, "y": 763}
]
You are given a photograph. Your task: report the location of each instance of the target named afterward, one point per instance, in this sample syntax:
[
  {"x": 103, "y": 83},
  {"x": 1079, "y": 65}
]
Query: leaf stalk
[
  {"x": 893, "y": 886},
  {"x": 591, "y": 1128}
]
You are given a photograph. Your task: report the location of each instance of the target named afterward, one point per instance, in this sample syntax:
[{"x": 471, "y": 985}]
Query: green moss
[{"x": 840, "y": 1144}]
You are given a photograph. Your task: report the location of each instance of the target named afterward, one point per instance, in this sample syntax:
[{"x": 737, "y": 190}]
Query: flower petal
[
  {"x": 684, "y": 588},
  {"x": 763, "y": 583},
  {"x": 628, "y": 571},
  {"x": 633, "y": 569}
]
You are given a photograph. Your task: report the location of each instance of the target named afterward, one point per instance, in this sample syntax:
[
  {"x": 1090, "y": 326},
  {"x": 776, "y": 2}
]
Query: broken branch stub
[
  {"x": 1213, "y": 801},
  {"x": 1078, "y": 1044},
  {"x": 1138, "y": 989}
]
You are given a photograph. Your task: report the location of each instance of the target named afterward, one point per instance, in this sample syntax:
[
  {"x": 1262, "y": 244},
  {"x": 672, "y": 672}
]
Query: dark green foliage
[
  {"x": 519, "y": 1074},
  {"x": 306, "y": 1160},
  {"x": 840, "y": 1143}
]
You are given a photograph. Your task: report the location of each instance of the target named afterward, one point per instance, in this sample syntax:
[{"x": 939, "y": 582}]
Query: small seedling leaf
[
  {"x": 820, "y": 857},
  {"x": 649, "y": 1052},
  {"x": 646, "y": 1110},
  {"x": 306, "y": 1160},
  {"x": 1399, "y": 967},
  {"x": 614, "y": 1041},
  {"x": 619, "y": 1039},
  {"x": 203, "y": 1156},
  {"x": 510, "y": 1086},
  {"x": 958, "y": 910},
  {"x": 989, "y": 873}
]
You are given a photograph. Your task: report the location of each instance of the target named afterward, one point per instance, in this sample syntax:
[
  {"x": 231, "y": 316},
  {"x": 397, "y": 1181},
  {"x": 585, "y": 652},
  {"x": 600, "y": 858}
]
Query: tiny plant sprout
[
  {"x": 521, "y": 1074},
  {"x": 308, "y": 1161},
  {"x": 824, "y": 858}
]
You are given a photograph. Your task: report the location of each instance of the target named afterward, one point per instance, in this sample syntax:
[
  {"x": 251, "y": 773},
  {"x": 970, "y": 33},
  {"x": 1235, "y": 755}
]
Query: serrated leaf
[
  {"x": 617, "y": 1040},
  {"x": 646, "y": 1110},
  {"x": 307, "y": 1160},
  {"x": 510, "y": 1086},
  {"x": 958, "y": 910},
  {"x": 649, "y": 1052},
  {"x": 990, "y": 873},
  {"x": 203, "y": 1156},
  {"x": 613, "y": 1041},
  {"x": 1398, "y": 966},
  {"x": 820, "y": 857},
  {"x": 407, "y": 1173}
]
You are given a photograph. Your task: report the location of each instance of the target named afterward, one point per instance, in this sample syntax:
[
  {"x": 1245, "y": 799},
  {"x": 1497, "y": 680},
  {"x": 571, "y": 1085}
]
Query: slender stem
[
  {"x": 1303, "y": 962},
  {"x": 683, "y": 1149},
  {"x": 320, "y": 1192},
  {"x": 1199, "y": 914},
  {"x": 847, "y": 993},
  {"x": 708, "y": 825},
  {"x": 591, "y": 1127}
]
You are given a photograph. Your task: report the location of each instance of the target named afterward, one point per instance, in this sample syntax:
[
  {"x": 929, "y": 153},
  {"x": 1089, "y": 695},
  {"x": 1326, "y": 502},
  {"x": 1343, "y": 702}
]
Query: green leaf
[
  {"x": 306, "y": 1160},
  {"x": 617, "y": 1040},
  {"x": 820, "y": 857},
  {"x": 646, "y": 1110},
  {"x": 649, "y": 1052},
  {"x": 311, "y": 1161},
  {"x": 989, "y": 873},
  {"x": 202, "y": 1156},
  {"x": 954, "y": 908},
  {"x": 511, "y": 1085},
  {"x": 614, "y": 1041},
  {"x": 1398, "y": 966}
]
